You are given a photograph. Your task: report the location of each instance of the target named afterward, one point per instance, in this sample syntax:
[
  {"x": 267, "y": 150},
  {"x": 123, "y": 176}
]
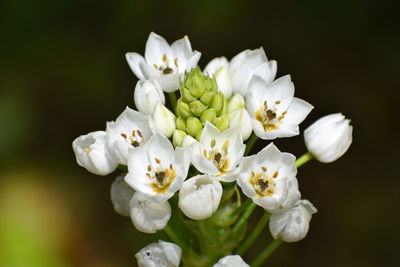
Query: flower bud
[
  {"x": 198, "y": 135},
  {"x": 196, "y": 107},
  {"x": 159, "y": 254},
  {"x": 329, "y": 137},
  {"x": 236, "y": 102},
  {"x": 195, "y": 82},
  {"x": 207, "y": 97},
  {"x": 231, "y": 261},
  {"x": 209, "y": 115},
  {"x": 180, "y": 124},
  {"x": 147, "y": 94},
  {"x": 223, "y": 78},
  {"x": 193, "y": 126},
  {"x": 217, "y": 102},
  {"x": 223, "y": 123},
  {"x": 292, "y": 225},
  {"x": 242, "y": 119},
  {"x": 178, "y": 137},
  {"x": 187, "y": 141},
  {"x": 199, "y": 197},
  {"x": 182, "y": 109},
  {"x": 164, "y": 120},
  {"x": 186, "y": 96}
]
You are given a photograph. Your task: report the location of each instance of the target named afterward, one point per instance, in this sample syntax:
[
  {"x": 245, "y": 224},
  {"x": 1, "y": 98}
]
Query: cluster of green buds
[{"x": 200, "y": 101}]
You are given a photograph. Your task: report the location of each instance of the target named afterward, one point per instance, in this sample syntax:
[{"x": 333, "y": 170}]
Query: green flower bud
[
  {"x": 198, "y": 135},
  {"x": 193, "y": 126},
  {"x": 182, "y": 109},
  {"x": 236, "y": 102},
  {"x": 218, "y": 102},
  {"x": 223, "y": 123},
  {"x": 209, "y": 115},
  {"x": 207, "y": 98},
  {"x": 195, "y": 82},
  {"x": 196, "y": 107},
  {"x": 186, "y": 96},
  {"x": 180, "y": 124},
  {"x": 224, "y": 107},
  {"x": 178, "y": 137}
]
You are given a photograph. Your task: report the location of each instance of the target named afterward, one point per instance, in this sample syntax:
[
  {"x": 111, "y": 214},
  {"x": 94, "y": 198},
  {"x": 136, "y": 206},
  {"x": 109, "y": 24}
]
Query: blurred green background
[{"x": 63, "y": 74}]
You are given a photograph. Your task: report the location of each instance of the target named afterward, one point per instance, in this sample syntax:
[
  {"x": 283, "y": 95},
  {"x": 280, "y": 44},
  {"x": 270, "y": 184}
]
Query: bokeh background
[{"x": 63, "y": 74}]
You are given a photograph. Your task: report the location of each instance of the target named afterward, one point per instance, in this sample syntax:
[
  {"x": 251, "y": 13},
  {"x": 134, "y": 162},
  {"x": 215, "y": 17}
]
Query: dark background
[{"x": 63, "y": 74}]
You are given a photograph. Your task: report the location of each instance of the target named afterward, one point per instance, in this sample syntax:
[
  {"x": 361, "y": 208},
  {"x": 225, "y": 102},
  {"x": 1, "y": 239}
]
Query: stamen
[
  {"x": 167, "y": 70},
  {"x": 270, "y": 114},
  {"x": 149, "y": 168},
  {"x": 217, "y": 157},
  {"x": 124, "y": 135},
  {"x": 264, "y": 169},
  {"x": 157, "y": 160},
  {"x": 140, "y": 133},
  {"x": 277, "y": 102},
  {"x": 164, "y": 58},
  {"x": 176, "y": 62},
  {"x": 212, "y": 143},
  {"x": 87, "y": 150},
  {"x": 275, "y": 174}
]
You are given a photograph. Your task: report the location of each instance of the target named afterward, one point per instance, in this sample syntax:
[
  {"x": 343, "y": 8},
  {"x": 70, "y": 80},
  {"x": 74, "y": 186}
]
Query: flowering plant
[{"x": 186, "y": 167}]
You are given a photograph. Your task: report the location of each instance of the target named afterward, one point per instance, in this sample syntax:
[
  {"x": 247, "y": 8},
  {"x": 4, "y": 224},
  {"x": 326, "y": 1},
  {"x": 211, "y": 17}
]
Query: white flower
[
  {"x": 218, "y": 154},
  {"x": 329, "y": 137},
  {"x": 238, "y": 72},
  {"x": 91, "y": 153},
  {"x": 161, "y": 254},
  {"x": 274, "y": 110},
  {"x": 292, "y": 225},
  {"x": 163, "y": 62},
  {"x": 164, "y": 120},
  {"x": 267, "y": 178},
  {"x": 199, "y": 197},
  {"x": 156, "y": 169},
  {"x": 241, "y": 118},
  {"x": 121, "y": 194},
  {"x": 231, "y": 261},
  {"x": 147, "y": 94},
  {"x": 130, "y": 130},
  {"x": 148, "y": 216}
]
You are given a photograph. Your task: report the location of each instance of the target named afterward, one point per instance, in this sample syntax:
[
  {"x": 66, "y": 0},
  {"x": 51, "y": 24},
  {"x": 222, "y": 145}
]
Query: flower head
[
  {"x": 218, "y": 153},
  {"x": 274, "y": 110},
  {"x": 159, "y": 254},
  {"x": 267, "y": 178},
  {"x": 130, "y": 130},
  {"x": 156, "y": 169},
  {"x": 163, "y": 62},
  {"x": 292, "y": 225},
  {"x": 329, "y": 137},
  {"x": 92, "y": 153},
  {"x": 199, "y": 196}
]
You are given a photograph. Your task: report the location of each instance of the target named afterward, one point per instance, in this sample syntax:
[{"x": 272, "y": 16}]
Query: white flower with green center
[
  {"x": 161, "y": 254},
  {"x": 156, "y": 169},
  {"x": 267, "y": 178},
  {"x": 92, "y": 153},
  {"x": 231, "y": 261},
  {"x": 164, "y": 63},
  {"x": 200, "y": 196},
  {"x": 121, "y": 194},
  {"x": 274, "y": 110},
  {"x": 148, "y": 216},
  {"x": 293, "y": 225},
  {"x": 130, "y": 130},
  {"x": 218, "y": 154},
  {"x": 329, "y": 137},
  {"x": 147, "y": 94},
  {"x": 235, "y": 76}
]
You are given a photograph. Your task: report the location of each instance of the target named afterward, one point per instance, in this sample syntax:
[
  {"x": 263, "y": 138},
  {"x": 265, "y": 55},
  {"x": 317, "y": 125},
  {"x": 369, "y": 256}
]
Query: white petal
[
  {"x": 156, "y": 48},
  {"x": 231, "y": 261},
  {"x": 92, "y": 153},
  {"x": 161, "y": 254},
  {"x": 121, "y": 194},
  {"x": 214, "y": 65},
  {"x": 147, "y": 216},
  {"x": 134, "y": 61},
  {"x": 297, "y": 111},
  {"x": 200, "y": 196},
  {"x": 224, "y": 81},
  {"x": 242, "y": 119},
  {"x": 201, "y": 163},
  {"x": 164, "y": 120},
  {"x": 147, "y": 94}
]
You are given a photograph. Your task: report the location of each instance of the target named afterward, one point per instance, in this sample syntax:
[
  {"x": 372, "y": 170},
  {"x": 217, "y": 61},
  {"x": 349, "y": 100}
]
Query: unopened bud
[
  {"x": 224, "y": 81},
  {"x": 164, "y": 120},
  {"x": 242, "y": 119},
  {"x": 223, "y": 123},
  {"x": 178, "y": 137},
  {"x": 186, "y": 96},
  {"x": 209, "y": 115},
  {"x": 196, "y": 107},
  {"x": 218, "y": 102},
  {"x": 236, "y": 102},
  {"x": 198, "y": 135},
  {"x": 187, "y": 141},
  {"x": 180, "y": 124},
  {"x": 193, "y": 126},
  {"x": 207, "y": 98},
  {"x": 182, "y": 109}
]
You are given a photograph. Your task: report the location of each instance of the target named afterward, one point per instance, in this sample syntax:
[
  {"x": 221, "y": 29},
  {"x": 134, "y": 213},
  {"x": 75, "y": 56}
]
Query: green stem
[
  {"x": 173, "y": 100},
  {"x": 266, "y": 253},
  {"x": 244, "y": 217},
  {"x": 250, "y": 143},
  {"x": 253, "y": 236},
  {"x": 174, "y": 238},
  {"x": 242, "y": 207},
  {"x": 304, "y": 159}
]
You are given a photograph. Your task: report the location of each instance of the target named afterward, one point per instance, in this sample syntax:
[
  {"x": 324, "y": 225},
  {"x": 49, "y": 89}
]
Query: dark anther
[
  {"x": 167, "y": 70},
  {"x": 270, "y": 114},
  {"x": 217, "y": 157},
  {"x": 160, "y": 177},
  {"x": 135, "y": 143},
  {"x": 263, "y": 184}
]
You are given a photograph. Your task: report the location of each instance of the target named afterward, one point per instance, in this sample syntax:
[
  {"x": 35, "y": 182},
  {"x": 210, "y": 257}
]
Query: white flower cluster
[{"x": 158, "y": 168}]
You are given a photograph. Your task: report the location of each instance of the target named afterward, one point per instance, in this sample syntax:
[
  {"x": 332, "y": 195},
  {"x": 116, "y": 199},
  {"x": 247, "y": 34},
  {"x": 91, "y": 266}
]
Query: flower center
[
  {"x": 218, "y": 157},
  {"x": 262, "y": 183},
  {"x": 268, "y": 117},
  {"x": 135, "y": 139},
  {"x": 165, "y": 66},
  {"x": 160, "y": 178}
]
